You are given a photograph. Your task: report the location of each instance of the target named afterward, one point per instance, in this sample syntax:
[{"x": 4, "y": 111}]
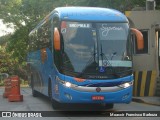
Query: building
[{"x": 147, "y": 61}]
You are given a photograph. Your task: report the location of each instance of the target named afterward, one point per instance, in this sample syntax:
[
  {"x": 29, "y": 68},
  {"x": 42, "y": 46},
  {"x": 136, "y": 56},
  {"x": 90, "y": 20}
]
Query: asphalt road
[{"x": 38, "y": 104}]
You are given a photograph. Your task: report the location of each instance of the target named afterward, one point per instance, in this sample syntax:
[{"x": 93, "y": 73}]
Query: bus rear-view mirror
[
  {"x": 56, "y": 39},
  {"x": 139, "y": 38}
]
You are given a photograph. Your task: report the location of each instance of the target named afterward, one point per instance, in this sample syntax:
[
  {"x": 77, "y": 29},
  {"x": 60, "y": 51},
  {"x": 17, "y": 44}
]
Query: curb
[{"x": 144, "y": 102}]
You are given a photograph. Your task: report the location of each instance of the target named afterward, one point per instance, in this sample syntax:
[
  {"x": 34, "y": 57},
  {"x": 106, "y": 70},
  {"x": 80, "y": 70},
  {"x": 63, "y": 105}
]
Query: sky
[{"x": 4, "y": 29}]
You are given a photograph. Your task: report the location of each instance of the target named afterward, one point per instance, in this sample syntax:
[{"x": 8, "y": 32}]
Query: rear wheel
[
  {"x": 49, "y": 90},
  {"x": 34, "y": 92}
]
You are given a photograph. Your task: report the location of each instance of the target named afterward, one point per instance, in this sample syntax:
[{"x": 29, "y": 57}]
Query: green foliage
[
  {"x": 4, "y": 39},
  {"x": 18, "y": 43},
  {"x": 6, "y": 62}
]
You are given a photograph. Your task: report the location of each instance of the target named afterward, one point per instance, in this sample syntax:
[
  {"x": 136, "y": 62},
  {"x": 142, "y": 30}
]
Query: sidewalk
[{"x": 147, "y": 100}]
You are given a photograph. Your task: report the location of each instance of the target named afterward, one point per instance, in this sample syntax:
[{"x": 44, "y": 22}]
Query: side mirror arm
[{"x": 139, "y": 36}]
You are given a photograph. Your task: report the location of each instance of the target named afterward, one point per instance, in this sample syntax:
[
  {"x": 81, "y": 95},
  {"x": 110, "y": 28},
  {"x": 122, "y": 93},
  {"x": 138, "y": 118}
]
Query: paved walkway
[{"x": 147, "y": 100}]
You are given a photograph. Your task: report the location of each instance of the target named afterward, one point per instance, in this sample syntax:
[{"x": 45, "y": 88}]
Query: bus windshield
[{"x": 95, "y": 50}]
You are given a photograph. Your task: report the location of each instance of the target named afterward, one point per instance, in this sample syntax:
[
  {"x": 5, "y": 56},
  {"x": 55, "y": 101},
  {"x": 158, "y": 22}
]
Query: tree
[
  {"x": 24, "y": 14},
  {"x": 6, "y": 62}
]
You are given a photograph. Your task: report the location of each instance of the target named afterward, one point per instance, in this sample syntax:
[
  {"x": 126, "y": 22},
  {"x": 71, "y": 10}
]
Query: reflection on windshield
[
  {"x": 113, "y": 39},
  {"x": 114, "y": 31},
  {"x": 83, "y": 43},
  {"x": 78, "y": 44}
]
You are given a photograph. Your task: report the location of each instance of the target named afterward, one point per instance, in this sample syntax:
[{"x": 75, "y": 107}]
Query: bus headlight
[
  {"x": 126, "y": 85},
  {"x": 65, "y": 83},
  {"x": 68, "y": 84}
]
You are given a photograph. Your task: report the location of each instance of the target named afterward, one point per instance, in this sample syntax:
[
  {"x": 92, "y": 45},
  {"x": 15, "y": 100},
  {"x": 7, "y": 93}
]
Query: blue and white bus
[{"x": 83, "y": 55}]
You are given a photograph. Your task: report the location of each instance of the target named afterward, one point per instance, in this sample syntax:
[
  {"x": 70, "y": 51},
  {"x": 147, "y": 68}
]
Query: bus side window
[
  {"x": 57, "y": 54},
  {"x": 32, "y": 42},
  {"x": 44, "y": 36}
]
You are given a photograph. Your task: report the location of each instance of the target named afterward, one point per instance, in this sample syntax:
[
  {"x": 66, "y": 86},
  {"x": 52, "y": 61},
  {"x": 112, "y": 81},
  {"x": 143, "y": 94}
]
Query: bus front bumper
[{"x": 94, "y": 95}]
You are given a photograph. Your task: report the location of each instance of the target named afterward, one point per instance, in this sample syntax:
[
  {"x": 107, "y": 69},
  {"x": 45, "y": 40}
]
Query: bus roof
[
  {"x": 85, "y": 14},
  {"x": 90, "y": 14}
]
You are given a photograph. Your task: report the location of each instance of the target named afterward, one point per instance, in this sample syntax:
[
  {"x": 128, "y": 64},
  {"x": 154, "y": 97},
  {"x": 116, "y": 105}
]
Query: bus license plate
[{"x": 97, "y": 97}]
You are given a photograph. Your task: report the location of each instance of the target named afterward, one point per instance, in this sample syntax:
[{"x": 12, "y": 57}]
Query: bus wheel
[
  {"x": 109, "y": 106},
  {"x": 50, "y": 90},
  {"x": 34, "y": 93},
  {"x": 55, "y": 104}
]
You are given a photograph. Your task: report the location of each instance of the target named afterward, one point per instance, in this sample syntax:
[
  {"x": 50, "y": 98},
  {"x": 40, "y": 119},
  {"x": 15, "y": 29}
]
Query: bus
[{"x": 83, "y": 55}]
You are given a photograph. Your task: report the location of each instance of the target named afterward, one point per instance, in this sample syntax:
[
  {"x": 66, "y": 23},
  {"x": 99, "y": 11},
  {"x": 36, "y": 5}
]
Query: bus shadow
[
  {"x": 77, "y": 107},
  {"x": 82, "y": 107},
  {"x": 84, "y": 110}
]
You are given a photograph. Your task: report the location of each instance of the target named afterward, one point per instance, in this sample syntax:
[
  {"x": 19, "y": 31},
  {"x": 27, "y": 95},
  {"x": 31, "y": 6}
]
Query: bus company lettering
[
  {"x": 105, "y": 29},
  {"x": 79, "y": 25}
]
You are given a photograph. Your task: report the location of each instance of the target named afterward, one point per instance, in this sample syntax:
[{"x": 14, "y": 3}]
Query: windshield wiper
[
  {"x": 89, "y": 63},
  {"x": 113, "y": 54},
  {"x": 103, "y": 57}
]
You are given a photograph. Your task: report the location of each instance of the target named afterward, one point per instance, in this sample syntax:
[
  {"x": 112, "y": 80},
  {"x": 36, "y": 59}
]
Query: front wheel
[
  {"x": 55, "y": 104},
  {"x": 109, "y": 106}
]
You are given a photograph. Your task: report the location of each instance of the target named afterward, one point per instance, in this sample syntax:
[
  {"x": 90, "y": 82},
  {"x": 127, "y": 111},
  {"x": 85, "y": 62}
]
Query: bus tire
[
  {"x": 49, "y": 89},
  {"x": 109, "y": 106},
  {"x": 56, "y": 105},
  {"x": 34, "y": 92}
]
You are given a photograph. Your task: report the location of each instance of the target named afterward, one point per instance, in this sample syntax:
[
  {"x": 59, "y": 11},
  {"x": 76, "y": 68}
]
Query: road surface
[{"x": 38, "y": 104}]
